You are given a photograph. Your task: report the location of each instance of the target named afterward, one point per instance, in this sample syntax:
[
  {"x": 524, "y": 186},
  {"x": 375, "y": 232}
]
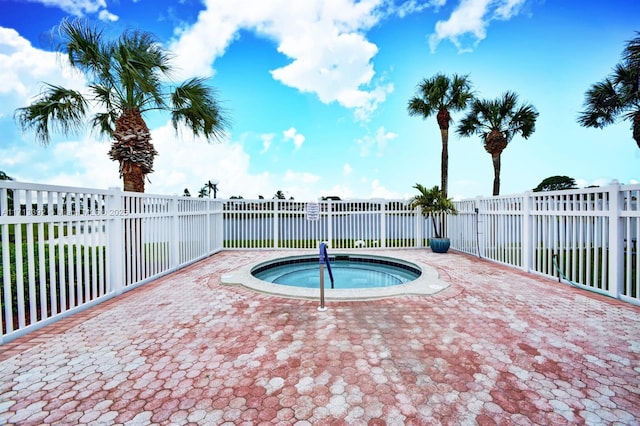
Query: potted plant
[{"x": 434, "y": 203}]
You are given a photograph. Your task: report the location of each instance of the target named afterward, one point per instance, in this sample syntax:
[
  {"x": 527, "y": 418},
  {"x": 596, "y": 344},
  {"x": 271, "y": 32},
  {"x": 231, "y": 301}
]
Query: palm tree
[
  {"x": 125, "y": 81},
  {"x": 617, "y": 95},
  {"x": 212, "y": 186},
  {"x": 432, "y": 202},
  {"x": 4, "y": 176},
  {"x": 497, "y": 122},
  {"x": 444, "y": 95}
]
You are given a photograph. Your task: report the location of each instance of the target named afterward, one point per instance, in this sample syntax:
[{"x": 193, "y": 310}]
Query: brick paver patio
[{"x": 498, "y": 347}]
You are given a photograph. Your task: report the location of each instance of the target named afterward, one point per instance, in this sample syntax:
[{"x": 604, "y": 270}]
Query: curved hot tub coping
[{"x": 427, "y": 284}]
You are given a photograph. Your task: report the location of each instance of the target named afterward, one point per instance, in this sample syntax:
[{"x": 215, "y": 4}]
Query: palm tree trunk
[
  {"x": 435, "y": 227},
  {"x": 133, "y": 178},
  {"x": 444, "y": 118},
  {"x": 444, "y": 162},
  {"x": 496, "y": 173},
  {"x": 133, "y": 149},
  {"x": 636, "y": 128}
]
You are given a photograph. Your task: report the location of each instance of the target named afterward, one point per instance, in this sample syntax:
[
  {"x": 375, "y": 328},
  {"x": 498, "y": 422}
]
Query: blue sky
[{"x": 317, "y": 91}]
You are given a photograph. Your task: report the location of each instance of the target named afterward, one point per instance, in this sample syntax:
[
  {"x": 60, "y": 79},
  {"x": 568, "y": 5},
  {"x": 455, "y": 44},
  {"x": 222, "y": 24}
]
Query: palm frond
[
  {"x": 502, "y": 115},
  {"x": 195, "y": 104},
  {"x": 440, "y": 92},
  {"x": 631, "y": 53},
  {"x": 104, "y": 123},
  {"x": 56, "y": 108},
  {"x": 139, "y": 62},
  {"x": 84, "y": 47},
  {"x": 602, "y": 105},
  {"x": 419, "y": 107}
]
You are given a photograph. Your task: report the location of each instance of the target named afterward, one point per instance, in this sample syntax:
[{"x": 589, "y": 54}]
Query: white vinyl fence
[
  {"x": 286, "y": 224},
  {"x": 589, "y": 237},
  {"x": 64, "y": 249}
]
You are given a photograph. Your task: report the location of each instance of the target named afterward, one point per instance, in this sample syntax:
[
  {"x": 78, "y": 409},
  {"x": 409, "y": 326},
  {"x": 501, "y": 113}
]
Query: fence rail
[{"x": 64, "y": 249}]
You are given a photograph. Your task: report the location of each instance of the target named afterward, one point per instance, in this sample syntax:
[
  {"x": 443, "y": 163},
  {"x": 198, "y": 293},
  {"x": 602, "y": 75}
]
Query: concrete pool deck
[{"x": 497, "y": 347}]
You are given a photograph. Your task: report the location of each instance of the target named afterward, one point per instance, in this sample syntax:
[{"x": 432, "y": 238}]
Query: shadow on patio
[{"x": 498, "y": 347}]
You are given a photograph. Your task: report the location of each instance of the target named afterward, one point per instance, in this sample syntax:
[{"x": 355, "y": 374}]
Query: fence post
[
  {"x": 276, "y": 222},
  {"x": 217, "y": 215},
  {"x": 115, "y": 240},
  {"x": 417, "y": 214},
  {"x": 479, "y": 208},
  {"x": 527, "y": 228},
  {"x": 209, "y": 217},
  {"x": 329, "y": 236},
  {"x": 616, "y": 237},
  {"x": 383, "y": 224},
  {"x": 174, "y": 241}
]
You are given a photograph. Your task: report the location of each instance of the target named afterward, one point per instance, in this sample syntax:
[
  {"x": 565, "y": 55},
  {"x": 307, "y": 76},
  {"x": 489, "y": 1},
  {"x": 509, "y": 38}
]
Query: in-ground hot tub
[
  {"x": 367, "y": 277},
  {"x": 348, "y": 271}
]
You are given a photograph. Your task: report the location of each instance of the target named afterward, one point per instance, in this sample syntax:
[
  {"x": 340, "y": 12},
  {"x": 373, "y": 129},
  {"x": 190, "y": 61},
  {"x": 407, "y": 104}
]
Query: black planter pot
[{"x": 439, "y": 245}]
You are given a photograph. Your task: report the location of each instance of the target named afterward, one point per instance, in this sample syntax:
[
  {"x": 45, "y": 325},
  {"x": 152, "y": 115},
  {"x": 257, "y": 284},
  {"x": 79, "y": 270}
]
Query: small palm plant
[{"x": 434, "y": 203}]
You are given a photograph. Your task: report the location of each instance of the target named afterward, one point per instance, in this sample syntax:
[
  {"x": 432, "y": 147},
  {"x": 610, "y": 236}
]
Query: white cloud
[
  {"x": 509, "y": 8},
  {"x": 300, "y": 185},
  {"x": 347, "y": 170},
  {"x": 189, "y": 163},
  {"x": 24, "y": 68},
  {"x": 379, "y": 191},
  {"x": 12, "y": 156},
  {"x": 376, "y": 143},
  {"x": 342, "y": 191},
  {"x": 80, "y": 7},
  {"x": 415, "y": 6},
  {"x": 107, "y": 16},
  {"x": 470, "y": 20},
  {"x": 583, "y": 183},
  {"x": 267, "y": 140},
  {"x": 293, "y": 135},
  {"x": 325, "y": 41},
  {"x": 306, "y": 178},
  {"x": 89, "y": 160}
]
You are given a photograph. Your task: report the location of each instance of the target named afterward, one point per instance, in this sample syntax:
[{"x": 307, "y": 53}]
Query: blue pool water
[{"x": 348, "y": 272}]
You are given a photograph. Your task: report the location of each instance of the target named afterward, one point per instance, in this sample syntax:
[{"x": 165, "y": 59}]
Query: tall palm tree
[
  {"x": 212, "y": 187},
  {"x": 125, "y": 81},
  {"x": 444, "y": 95},
  {"x": 617, "y": 95},
  {"x": 497, "y": 122}
]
